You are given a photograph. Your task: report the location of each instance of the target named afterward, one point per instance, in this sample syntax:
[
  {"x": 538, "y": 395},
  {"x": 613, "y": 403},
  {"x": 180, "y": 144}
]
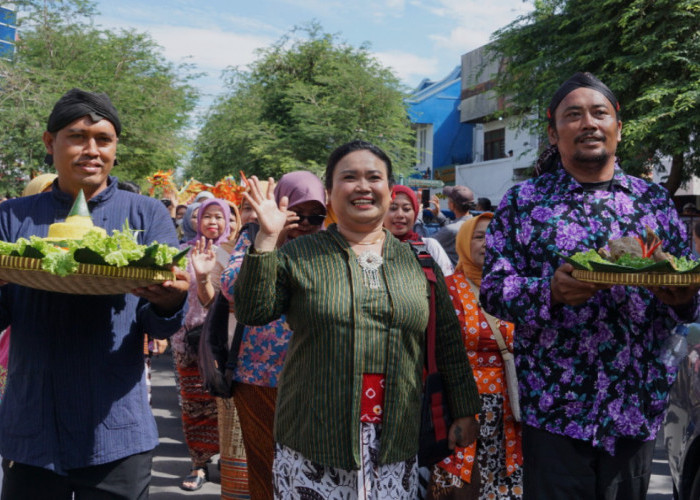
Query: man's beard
[{"x": 594, "y": 162}]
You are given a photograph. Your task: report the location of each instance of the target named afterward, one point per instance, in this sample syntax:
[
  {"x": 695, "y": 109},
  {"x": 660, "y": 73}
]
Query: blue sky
[{"x": 417, "y": 39}]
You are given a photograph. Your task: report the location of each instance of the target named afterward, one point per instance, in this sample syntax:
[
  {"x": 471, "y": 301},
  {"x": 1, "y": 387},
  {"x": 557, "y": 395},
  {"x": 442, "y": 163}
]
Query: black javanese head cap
[
  {"x": 577, "y": 81},
  {"x": 549, "y": 158},
  {"x": 77, "y": 103}
]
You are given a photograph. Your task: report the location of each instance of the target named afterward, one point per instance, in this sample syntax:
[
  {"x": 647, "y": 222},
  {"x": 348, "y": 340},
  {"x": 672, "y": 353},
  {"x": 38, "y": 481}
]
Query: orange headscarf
[{"x": 463, "y": 245}]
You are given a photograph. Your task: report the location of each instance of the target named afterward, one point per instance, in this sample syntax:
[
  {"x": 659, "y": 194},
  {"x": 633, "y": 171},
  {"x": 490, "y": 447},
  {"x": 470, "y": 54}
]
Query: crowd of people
[{"x": 329, "y": 306}]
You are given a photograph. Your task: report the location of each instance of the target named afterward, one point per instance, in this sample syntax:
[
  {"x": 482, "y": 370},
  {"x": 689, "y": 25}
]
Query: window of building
[
  {"x": 423, "y": 146},
  {"x": 495, "y": 144}
]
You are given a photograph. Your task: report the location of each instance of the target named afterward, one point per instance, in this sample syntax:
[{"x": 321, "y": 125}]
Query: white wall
[
  {"x": 491, "y": 179},
  {"x": 488, "y": 179}
]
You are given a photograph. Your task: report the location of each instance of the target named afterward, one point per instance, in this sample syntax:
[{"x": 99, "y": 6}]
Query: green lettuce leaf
[
  {"x": 585, "y": 258},
  {"x": 20, "y": 245},
  {"x": 164, "y": 254},
  {"x": 684, "y": 264},
  {"x": 61, "y": 263},
  {"x": 630, "y": 260},
  {"x": 6, "y": 248},
  {"x": 117, "y": 250}
]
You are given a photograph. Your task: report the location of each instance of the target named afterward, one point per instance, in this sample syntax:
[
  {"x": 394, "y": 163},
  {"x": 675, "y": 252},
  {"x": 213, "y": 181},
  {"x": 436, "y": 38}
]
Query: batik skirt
[
  {"x": 296, "y": 477},
  {"x": 495, "y": 481}
]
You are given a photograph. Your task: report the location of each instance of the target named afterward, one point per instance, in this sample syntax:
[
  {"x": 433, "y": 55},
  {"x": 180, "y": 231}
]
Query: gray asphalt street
[{"x": 171, "y": 461}]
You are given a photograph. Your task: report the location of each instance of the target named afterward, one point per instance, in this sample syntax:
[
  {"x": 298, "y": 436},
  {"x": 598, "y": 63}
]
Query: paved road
[
  {"x": 661, "y": 486},
  {"x": 171, "y": 462}
]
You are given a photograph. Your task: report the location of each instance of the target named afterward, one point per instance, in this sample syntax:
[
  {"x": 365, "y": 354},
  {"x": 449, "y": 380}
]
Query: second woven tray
[{"x": 637, "y": 279}]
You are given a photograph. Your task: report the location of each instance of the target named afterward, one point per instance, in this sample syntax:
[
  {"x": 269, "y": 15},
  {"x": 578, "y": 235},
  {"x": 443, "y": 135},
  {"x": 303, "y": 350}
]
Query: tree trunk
[{"x": 673, "y": 182}]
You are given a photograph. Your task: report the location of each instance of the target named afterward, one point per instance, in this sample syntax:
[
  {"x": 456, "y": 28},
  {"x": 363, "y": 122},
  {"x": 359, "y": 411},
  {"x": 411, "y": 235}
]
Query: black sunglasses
[{"x": 314, "y": 220}]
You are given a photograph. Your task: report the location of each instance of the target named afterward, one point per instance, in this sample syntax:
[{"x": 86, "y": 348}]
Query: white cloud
[
  {"x": 471, "y": 22},
  {"x": 210, "y": 49},
  {"x": 396, "y": 4},
  {"x": 407, "y": 66},
  {"x": 461, "y": 39},
  {"x": 493, "y": 11}
]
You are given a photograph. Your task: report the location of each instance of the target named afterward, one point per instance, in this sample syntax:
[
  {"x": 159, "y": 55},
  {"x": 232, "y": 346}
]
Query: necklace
[{"x": 369, "y": 263}]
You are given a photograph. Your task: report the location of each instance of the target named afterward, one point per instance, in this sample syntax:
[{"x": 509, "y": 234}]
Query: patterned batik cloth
[
  {"x": 263, "y": 348},
  {"x": 296, "y": 477},
  {"x": 199, "y": 415},
  {"x": 372, "y": 401},
  {"x": 256, "y": 412},
  {"x": 234, "y": 468},
  {"x": 489, "y": 374},
  {"x": 490, "y": 457}
]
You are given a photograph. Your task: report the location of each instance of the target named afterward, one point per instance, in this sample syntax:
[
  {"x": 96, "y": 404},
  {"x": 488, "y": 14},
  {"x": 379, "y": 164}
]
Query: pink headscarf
[
  {"x": 301, "y": 186},
  {"x": 227, "y": 216}
]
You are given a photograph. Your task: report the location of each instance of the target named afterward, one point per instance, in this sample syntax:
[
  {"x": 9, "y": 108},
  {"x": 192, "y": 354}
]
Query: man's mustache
[{"x": 584, "y": 137}]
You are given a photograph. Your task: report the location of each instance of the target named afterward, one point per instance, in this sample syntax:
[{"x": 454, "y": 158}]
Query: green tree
[
  {"x": 60, "y": 48},
  {"x": 298, "y": 101},
  {"x": 646, "y": 51}
]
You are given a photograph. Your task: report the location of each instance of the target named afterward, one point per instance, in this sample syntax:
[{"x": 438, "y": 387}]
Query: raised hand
[
  {"x": 273, "y": 219},
  {"x": 203, "y": 258},
  {"x": 435, "y": 205}
]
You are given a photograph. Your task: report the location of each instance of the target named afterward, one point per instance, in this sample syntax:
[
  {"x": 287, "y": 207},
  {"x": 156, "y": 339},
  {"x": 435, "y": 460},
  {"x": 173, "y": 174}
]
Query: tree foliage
[
  {"x": 60, "y": 48},
  {"x": 299, "y": 100},
  {"x": 646, "y": 51}
]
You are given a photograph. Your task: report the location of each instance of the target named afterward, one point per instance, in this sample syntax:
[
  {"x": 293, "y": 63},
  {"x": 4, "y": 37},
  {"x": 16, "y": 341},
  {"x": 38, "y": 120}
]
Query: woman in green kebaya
[{"x": 356, "y": 299}]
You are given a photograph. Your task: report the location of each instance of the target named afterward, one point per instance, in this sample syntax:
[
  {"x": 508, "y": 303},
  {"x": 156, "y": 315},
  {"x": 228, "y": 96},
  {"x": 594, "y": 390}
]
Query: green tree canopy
[
  {"x": 646, "y": 51},
  {"x": 59, "y": 48},
  {"x": 298, "y": 101}
]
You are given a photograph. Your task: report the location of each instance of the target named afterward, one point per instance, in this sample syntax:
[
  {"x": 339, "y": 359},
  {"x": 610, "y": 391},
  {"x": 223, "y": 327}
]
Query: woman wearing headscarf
[
  {"x": 198, "y": 407},
  {"x": 490, "y": 467},
  {"x": 348, "y": 408},
  {"x": 189, "y": 222},
  {"x": 400, "y": 219},
  {"x": 263, "y": 348},
  {"x": 233, "y": 467}
]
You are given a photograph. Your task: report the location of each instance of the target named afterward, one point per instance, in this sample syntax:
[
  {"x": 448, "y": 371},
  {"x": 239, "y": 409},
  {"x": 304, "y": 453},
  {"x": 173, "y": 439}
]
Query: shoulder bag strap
[
  {"x": 427, "y": 264},
  {"x": 492, "y": 323},
  {"x": 508, "y": 360}
]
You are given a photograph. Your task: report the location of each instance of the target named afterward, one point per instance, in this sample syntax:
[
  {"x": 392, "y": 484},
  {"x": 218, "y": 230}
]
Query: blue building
[
  {"x": 8, "y": 32},
  {"x": 442, "y": 141}
]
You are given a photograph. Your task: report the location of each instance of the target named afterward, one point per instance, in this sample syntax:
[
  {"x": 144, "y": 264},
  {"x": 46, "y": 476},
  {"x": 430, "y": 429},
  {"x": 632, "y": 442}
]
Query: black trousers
[
  {"x": 558, "y": 467},
  {"x": 124, "y": 479}
]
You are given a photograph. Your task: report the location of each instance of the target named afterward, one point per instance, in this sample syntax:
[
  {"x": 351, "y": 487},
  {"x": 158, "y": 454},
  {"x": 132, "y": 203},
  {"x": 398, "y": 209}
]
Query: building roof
[{"x": 427, "y": 88}]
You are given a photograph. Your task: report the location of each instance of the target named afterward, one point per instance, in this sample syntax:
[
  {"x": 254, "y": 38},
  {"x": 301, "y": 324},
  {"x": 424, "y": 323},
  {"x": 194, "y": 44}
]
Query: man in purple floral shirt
[{"x": 593, "y": 388}]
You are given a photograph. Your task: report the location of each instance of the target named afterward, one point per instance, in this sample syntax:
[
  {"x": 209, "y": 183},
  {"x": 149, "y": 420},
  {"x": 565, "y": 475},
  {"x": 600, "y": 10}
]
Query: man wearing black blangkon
[
  {"x": 75, "y": 416},
  {"x": 593, "y": 380}
]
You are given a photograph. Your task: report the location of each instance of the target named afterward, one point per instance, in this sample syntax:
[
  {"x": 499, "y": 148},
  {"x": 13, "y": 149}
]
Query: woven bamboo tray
[
  {"x": 89, "y": 279},
  {"x": 637, "y": 279}
]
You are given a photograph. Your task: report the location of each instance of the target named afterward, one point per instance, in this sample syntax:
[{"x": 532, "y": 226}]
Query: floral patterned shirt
[
  {"x": 263, "y": 348},
  {"x": 592, "y": 371}
]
